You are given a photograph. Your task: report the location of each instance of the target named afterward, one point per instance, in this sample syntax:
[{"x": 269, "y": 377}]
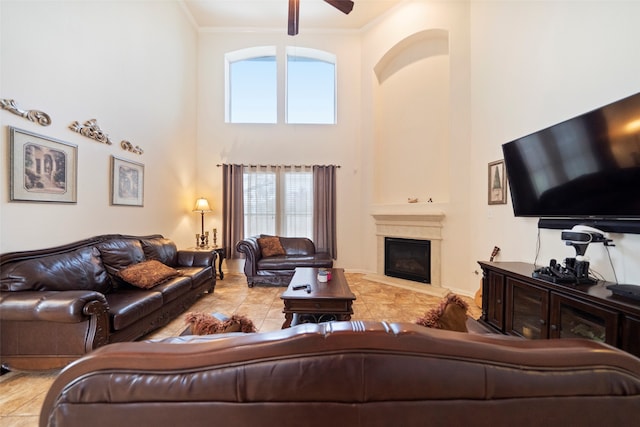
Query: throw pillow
[
  {"x": 206, "y": 324},
  {"x": 451, "y": 315},
  {"x": 270, "y": 246},
  {"x": 147, "y": 274}
]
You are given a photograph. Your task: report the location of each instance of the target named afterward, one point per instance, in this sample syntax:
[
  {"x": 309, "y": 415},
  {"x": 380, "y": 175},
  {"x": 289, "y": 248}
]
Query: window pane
[
  {"x": 278, "y": 202},
  {"x": 253, "y": 90},
  {"x": 298, "y": 204},
  {"x": 259, "y": 203},
  {"x": 310, "y": 90}
]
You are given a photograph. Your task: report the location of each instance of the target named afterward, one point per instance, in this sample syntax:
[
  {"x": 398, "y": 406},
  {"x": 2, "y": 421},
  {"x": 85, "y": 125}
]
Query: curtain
[
  {"x": 324, "y": 209},
  {"x": 232, "y": 209}
]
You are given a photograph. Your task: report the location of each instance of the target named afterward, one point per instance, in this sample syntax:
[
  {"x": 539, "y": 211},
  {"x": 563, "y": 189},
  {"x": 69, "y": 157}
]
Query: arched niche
[{"x": 412, "y": 120}]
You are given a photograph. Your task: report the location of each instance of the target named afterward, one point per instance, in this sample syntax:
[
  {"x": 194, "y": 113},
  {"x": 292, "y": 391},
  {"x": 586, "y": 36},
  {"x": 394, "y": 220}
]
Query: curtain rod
[{"x": 278, "y": 166}]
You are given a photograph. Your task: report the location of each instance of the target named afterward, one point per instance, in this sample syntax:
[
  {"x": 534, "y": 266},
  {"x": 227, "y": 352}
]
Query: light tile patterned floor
[{"x": 22, "y": 394}]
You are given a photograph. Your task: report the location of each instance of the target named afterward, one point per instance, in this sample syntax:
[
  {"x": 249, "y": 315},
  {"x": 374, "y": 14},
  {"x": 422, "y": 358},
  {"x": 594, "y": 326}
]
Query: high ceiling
[{"x": 272, "y": 14}]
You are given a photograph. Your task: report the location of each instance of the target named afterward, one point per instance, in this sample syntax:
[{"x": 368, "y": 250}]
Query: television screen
[{"x": 586, "y": 167}]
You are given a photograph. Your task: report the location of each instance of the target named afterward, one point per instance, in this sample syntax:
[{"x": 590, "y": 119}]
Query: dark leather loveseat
[
  {"x": 278, "y": 269},
  {"x": 348, "y": 374},
  {"x": 60, "y": 303}
]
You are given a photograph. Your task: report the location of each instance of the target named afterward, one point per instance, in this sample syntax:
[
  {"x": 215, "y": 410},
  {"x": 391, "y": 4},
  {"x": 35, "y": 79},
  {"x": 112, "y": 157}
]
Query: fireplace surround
[{"x": 409, "y": 224}]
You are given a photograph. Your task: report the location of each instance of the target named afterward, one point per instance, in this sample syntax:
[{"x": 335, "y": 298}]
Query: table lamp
[{"x": 202, "y": 206}]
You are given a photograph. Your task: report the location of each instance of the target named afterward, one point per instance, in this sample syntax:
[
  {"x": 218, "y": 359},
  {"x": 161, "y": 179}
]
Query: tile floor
[{"x": 22, "y": 394}]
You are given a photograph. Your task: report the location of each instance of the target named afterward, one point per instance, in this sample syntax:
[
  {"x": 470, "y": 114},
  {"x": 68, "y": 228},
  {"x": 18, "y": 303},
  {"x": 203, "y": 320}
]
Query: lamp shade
[{"x": 202, "y": 205}]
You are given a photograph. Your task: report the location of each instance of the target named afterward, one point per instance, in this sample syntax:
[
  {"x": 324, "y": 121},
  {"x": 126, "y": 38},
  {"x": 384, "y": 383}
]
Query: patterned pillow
[
  {"x": 270, "y": 246},
  {"x": 147, "y": 274},
  {"x": 207, "y": 324},
  {"x": 451, "y": 315}
]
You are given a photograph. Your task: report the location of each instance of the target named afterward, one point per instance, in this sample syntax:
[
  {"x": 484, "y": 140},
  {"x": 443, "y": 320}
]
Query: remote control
[{"x": 298, "y": 287}]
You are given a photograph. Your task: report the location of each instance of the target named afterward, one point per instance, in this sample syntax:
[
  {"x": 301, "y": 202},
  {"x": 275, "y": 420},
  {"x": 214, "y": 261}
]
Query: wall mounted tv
[{"x": 586, "y": 168}]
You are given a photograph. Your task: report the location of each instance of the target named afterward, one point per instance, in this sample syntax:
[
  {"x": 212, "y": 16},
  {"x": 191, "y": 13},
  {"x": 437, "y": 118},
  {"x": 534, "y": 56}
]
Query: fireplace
[
  {"x": 410, "y": 222},
  {"x": 408, "y": 259}
]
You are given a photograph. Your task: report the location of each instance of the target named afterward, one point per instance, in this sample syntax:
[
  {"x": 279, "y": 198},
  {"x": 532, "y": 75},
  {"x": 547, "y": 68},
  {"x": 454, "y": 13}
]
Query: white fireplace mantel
[{"x": 413, "y": 222}]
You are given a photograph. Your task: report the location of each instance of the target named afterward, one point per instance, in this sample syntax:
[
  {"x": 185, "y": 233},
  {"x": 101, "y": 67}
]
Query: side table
[{"x": 220, "y": 254}]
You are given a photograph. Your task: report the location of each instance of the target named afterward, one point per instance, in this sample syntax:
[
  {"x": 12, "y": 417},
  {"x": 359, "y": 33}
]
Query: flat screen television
[{"x": 587, "y": 167}]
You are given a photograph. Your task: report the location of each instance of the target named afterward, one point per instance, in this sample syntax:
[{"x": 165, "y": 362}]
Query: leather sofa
[
  {"x": 60, "y": 303},
  {"x": 278, "y": 270},
  {"x": 348, "y": 374}
]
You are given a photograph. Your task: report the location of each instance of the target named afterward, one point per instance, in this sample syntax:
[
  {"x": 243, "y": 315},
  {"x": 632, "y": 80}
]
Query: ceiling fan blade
[
  {"x": 294, "y": 14},
  {"x": 344, "y": 6}
]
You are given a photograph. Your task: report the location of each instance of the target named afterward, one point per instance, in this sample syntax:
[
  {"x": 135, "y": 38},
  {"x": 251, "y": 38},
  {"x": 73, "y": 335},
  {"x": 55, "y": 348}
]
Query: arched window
[
  {"x": 311, "y": 86},
  {"x": 252, "y": 93}
]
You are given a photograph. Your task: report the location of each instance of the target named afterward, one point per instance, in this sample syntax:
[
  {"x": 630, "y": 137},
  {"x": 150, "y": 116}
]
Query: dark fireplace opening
[{"x": 407, "y": 259}]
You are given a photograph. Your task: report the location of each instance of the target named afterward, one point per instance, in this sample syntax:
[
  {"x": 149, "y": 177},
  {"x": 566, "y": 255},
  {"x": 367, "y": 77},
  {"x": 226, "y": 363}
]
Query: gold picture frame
[
  {"x": 127, "y": 182},
  {"x": 42, "y": 169},
  {"x": 497, "y": 183}
]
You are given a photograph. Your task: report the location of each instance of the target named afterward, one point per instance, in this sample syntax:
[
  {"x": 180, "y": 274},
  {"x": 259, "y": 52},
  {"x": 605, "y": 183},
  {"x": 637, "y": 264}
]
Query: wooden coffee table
[{"x": 326, "y": 302}]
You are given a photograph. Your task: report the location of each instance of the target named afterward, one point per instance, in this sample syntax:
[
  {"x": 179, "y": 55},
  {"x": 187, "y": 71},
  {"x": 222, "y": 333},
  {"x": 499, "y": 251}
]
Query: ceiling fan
[{"x": 344, "y": 6}]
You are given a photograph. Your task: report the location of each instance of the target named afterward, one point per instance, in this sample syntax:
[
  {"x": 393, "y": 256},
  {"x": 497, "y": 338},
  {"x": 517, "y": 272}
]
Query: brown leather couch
[
  {"x": 60, "y": 303},
  {"x": 348, "y": 374},
  {"x": 278, "y": 270}
]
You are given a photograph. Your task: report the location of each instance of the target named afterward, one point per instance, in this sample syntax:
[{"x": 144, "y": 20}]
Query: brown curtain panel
[
  {"x": 324, "y": 209},
  {"x": 232, "y": 209}
]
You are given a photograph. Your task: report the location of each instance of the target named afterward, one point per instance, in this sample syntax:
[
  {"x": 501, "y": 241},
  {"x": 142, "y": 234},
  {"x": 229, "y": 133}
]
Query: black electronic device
[
  {"x": 585, "y": 167},
  {"x": 626, "y": 291},
  {"x": 573, "y": 272},
  {"x": 555, "y": 275}
]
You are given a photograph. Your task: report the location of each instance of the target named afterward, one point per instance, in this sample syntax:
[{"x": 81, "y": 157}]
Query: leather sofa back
[
  {"x": 86, "y": 265},
  {"x": 81, "y": 269},
  {"x": 349, "y": 373},
  {"x": 297, "y": 246}
]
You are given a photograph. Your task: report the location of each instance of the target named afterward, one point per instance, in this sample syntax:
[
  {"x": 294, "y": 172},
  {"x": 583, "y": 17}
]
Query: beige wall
[
  {"x": 220, "y": 142},
  {"x": 535, "y": 64},
  {"x": 437, "y": 156},
  {"x": 131, "y": 66}
]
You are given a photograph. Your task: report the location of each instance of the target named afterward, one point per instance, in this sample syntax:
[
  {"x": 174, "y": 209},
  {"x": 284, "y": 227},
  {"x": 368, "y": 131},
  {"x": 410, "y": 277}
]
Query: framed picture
[
  {"x": 127, "y": 182},
  {"x": 497, "y": 183},
  {"x": 42, "y": 169}
]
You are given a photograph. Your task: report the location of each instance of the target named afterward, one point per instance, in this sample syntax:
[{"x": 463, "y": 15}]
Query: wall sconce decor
[{"x": 202, "y": 206}]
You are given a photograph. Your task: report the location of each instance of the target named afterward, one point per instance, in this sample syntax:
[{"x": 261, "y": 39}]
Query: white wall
[
  {"x": 132, "y": 66},
  {"x": 221, "y": 142},
  {"x": 534, "y": 64},
  {"x": 448, "y": 159}
]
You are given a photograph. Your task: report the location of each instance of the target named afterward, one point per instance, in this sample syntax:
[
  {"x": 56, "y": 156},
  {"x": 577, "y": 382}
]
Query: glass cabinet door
[
  {"x": 493, "y": 294},
  {"x": 527, "y": 310},
  {"x": 571, "y": 318}
]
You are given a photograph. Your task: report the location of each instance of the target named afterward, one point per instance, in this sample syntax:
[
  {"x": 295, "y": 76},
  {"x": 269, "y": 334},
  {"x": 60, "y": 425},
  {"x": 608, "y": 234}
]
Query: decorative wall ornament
[
  {"x": 126, "y": 145},
  {"x": 37, "y": 116},
  {"x": 90, "y": 129}
]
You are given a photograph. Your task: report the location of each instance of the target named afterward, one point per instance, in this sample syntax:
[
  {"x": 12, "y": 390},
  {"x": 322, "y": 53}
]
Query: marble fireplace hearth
[{"x": 410, "y": 225}]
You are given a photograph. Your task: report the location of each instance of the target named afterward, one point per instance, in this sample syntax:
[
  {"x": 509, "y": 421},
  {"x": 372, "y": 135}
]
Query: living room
[{"x": 427, "y": 93}]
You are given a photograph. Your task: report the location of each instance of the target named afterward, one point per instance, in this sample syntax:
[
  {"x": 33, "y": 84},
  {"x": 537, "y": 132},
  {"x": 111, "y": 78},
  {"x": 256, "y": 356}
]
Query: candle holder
[{"x": 215, "y": 237}]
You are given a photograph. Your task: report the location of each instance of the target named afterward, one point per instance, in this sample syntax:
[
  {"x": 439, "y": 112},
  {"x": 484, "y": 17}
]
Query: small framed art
[
  {"x": 127, "y": 182},
  {"x": 497, "y": 183},
  {"x": 42, "y": 169}
]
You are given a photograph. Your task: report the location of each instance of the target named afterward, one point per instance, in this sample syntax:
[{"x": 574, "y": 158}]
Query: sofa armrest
[
  {"x": 51, "y": 306},
  {"x": 49, "y": 329},
  {"x": 196, "y": 258},
  {"x": 252, "y": 254}
]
